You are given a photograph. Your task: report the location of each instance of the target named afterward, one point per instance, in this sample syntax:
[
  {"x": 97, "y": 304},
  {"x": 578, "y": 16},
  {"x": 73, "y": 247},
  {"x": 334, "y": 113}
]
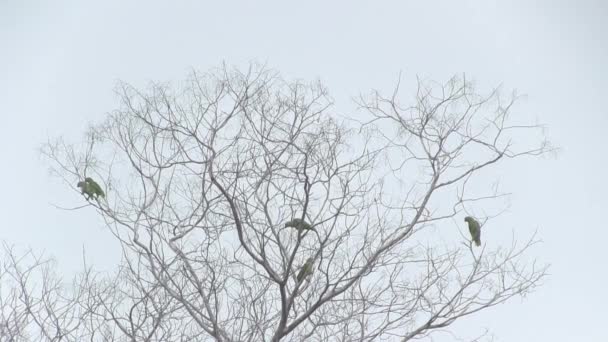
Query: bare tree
[{"x": 201, "y": 179}]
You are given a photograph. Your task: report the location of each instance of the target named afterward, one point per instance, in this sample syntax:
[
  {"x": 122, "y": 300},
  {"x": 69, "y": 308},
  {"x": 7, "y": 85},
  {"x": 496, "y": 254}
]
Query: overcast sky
[{"x": 59, "y": 61}]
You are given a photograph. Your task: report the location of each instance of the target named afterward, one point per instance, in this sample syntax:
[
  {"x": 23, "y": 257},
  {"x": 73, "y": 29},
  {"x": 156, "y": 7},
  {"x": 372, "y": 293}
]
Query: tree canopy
[{"x": 201, "y": 178}]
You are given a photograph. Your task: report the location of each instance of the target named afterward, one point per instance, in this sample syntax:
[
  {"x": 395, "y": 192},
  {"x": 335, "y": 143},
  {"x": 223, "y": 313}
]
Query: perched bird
[
  {"x": 299, "y": 224},
  {"x": 85, "y": 189},
  {"x": 474, "y": 229},
  {"x": 306, "y": 270},
  {"x": 90, "y": 188},
  {"x": 95, "y": 187}
]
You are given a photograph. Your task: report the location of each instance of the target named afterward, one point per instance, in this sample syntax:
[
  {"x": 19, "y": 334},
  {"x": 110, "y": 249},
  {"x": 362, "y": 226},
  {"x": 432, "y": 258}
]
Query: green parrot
[
  {"x": 306, "y": 270},
  {"x": 95, "y": 187},
  {"x": 85, "y": 189},
  {"x": 90, "y": 188},
  {"x": 474, "y": 229},
  {"x": 299, "y": 224}
]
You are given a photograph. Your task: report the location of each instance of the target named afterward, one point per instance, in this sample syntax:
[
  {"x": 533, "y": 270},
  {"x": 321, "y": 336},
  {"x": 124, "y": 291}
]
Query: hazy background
[{"x": 59, "y": 61}]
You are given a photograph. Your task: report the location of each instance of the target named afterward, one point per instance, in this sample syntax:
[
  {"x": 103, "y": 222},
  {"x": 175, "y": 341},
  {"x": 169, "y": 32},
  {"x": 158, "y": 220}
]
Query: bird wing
[
  {"x": 301, "y": 273},
  {"x": 96, "y": 188},
  {"x": 475, "y": 230}
]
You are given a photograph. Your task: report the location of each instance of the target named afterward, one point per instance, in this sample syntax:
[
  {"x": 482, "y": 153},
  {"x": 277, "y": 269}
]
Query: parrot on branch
[
  {"x": 474, "y": 229},
  {"x": 90, "y": 188},
  {"x": 306, "y": 270},
  {"x": 299, "y": 224},
  {"x": 95, "y": 187}
]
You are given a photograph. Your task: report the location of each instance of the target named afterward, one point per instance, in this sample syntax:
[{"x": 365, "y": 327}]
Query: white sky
[{"x": 59, "y": 61}]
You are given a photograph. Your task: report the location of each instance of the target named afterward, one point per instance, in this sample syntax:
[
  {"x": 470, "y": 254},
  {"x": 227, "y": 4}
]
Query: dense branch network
[{"x": 246, "y": 212}]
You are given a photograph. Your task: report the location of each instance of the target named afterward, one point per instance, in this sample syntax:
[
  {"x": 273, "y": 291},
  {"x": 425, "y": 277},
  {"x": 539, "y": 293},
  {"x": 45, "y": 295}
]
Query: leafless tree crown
[{"x": 200, "y": 180}]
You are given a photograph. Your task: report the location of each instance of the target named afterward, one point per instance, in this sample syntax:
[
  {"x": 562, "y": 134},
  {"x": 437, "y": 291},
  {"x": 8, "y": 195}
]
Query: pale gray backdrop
[{"x": 59, "y": 61}]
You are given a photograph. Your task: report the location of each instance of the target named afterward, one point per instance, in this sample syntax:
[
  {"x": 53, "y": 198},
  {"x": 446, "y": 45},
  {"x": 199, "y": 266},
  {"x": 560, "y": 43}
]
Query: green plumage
[
  {"x": 95, "y": 187},
  {"x": 298, "y": 224},
  {"x": 90, "y": 188},
  {"x": 306, "y": 270},
  {"x": 474, "y": 229}
]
